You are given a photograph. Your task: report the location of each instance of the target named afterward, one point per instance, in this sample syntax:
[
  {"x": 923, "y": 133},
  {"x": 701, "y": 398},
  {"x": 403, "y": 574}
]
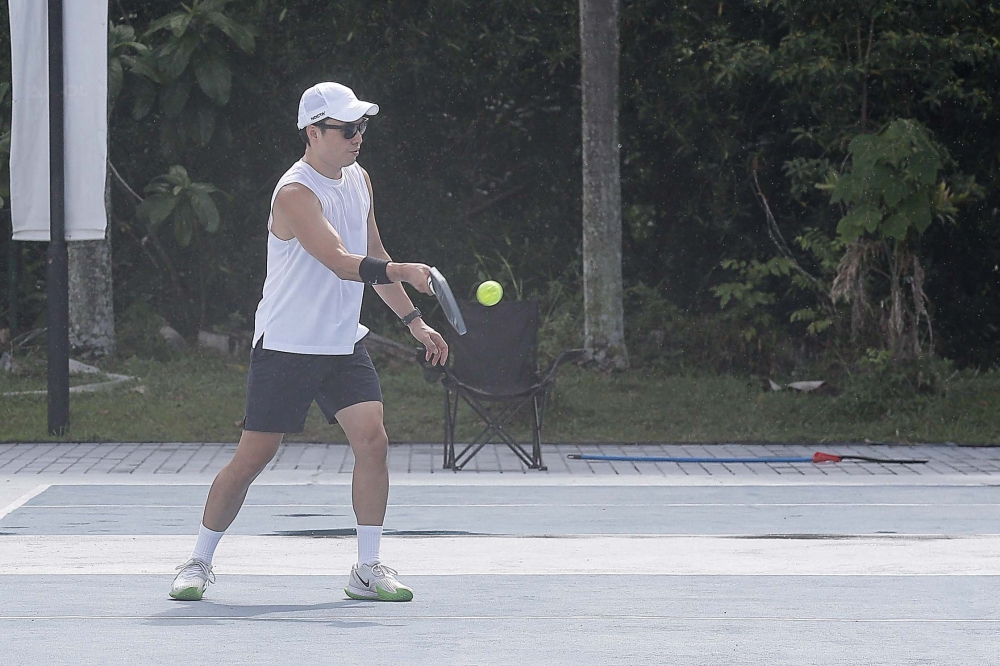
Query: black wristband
[
  {"x": 413, "y": 315},
  {"x": 372, "y": 271}
]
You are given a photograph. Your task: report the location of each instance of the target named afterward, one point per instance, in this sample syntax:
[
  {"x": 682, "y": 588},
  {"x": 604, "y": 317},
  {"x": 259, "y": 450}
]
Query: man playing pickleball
[{"x": 322, "y": 247}]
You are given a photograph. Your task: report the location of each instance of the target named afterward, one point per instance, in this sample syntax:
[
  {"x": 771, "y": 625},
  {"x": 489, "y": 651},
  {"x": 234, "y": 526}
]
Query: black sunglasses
[{"x": 349, "y": 130}]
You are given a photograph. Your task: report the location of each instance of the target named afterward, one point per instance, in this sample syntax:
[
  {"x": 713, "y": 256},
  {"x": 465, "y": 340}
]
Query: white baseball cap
[{"x": 332, "y": 100}]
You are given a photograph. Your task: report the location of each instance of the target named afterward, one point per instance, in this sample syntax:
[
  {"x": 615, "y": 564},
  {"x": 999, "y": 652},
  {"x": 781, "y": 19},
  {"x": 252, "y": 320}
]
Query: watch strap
[{"x": 413, "y": 315}]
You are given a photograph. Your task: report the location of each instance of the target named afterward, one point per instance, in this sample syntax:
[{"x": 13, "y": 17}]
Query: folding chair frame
[{"x": 496, "y": 419}]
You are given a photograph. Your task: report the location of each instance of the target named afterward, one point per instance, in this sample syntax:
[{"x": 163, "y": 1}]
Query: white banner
[{"x": 85, "y": 73}]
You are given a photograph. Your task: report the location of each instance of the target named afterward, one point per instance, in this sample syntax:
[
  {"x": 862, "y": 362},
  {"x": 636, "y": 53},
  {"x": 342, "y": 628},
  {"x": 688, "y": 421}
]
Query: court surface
[{"x": 585, "y": 564}]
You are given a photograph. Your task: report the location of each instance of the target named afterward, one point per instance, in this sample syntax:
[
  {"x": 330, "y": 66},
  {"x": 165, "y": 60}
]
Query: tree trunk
[
  {"x": 91, "y": 311},
  {"x": 604, "y": 328}
]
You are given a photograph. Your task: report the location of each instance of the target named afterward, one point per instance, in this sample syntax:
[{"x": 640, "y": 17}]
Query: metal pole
[{"x": 57, "y": 273}]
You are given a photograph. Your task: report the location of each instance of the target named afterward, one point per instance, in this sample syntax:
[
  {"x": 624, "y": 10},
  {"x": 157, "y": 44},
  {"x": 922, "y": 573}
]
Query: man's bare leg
[
  {"x": 230, "y": 487},
  {"x": 224, "y": 501},
  {"x": 370, "y": 491},
  {"x": 363, "y": 426}
]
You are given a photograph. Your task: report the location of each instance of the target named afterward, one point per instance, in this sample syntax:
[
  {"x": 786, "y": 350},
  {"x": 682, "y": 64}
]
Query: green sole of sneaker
[
  {"x": 187, "y": 594},
  {"x": 402, "y": 596}
]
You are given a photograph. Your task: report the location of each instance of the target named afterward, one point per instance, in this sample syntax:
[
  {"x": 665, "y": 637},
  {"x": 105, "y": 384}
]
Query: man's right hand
[{"x": 416, "y": 274}]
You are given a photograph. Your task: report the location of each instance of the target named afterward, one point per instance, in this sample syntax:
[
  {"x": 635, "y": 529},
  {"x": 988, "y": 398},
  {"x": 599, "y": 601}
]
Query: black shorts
[{"x": 281, "y": 386}]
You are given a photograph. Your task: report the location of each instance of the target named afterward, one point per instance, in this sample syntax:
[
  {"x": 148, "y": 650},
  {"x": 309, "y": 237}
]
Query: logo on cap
[{"x": 317, "y": 115}]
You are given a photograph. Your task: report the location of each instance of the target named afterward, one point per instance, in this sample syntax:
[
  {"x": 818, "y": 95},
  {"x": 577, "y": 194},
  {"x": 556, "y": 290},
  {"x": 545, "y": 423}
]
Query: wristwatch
[{"x": 413, "y": 315}]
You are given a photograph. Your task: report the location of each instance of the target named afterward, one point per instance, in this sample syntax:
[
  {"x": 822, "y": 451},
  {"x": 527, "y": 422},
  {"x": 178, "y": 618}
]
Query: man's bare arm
[{"x": 298, "y": 214}]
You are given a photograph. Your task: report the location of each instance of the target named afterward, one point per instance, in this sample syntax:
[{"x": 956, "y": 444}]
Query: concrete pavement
[{"x": 586, "y": 564}]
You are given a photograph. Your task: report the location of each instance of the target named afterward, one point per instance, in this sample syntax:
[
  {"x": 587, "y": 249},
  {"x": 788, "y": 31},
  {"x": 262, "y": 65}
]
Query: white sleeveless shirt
[{"x": 306, "y": 308}]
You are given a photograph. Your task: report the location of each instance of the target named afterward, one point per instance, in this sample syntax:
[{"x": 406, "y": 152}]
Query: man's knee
[
  {"x": 371, "y": 446},
  {"x": 365, "y": 431},
  {"x": 254, "y": 453}
]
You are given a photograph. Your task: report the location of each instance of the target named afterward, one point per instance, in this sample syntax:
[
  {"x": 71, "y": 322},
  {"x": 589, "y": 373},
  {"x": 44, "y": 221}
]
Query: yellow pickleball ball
[{"x": 489, "y": 292}]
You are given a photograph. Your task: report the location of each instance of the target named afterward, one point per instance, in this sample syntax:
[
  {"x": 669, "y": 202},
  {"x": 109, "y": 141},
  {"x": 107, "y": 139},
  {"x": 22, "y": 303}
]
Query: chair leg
[
  {"x": 538, "y": 401},
  {"x": 450, "y": 416},
  {"x": 495, "y": 422},
  {"x": 495, "y": 427}
]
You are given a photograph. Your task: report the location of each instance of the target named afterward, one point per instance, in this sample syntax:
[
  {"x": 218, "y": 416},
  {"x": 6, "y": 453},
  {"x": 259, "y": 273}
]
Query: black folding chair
[{"x": 494, "y": 370}]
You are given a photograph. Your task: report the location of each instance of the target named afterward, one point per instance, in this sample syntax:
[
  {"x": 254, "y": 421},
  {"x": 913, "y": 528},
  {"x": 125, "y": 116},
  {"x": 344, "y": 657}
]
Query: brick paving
[{"x": 207, "y": 458}]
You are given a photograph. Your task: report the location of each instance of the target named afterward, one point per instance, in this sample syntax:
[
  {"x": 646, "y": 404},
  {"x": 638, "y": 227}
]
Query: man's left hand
[{"x": 437, "y": 348}]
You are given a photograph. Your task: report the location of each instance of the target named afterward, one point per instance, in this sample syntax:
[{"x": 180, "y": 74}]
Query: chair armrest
[
  {"x": 568, "y": 356},
  {"x": 434, "y": 373}
]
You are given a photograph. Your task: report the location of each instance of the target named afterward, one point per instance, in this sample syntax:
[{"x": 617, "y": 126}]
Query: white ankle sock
[
  {"x": 204, "y": 549},
  {"x": 369, "y": 537}
]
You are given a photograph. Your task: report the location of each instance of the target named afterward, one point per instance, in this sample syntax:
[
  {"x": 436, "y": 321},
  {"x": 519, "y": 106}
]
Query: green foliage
[
  {"x": 663, "y": 338},
  {"x": 753, "y": 272},
  {"x": 191, "y": 66},
  {"x": 774, "y": 293},
  {"x": 750, "y": 295},
  {"x": 891, "y": 194},
  {"x": 841, "y": 66},
  {"x": 893, "y": 187},
  {"x": 824, "y": 250},
  {"x": 138, "y": 333},
  {"x": 172, "y": 196},
  {"x": 560, "y": 304},
  {"x": 884, "y": 386},
  {"x": 124, "y": 54},
  {"x": 836, "y": 72},
  {"x": 478, "y": 140},
  {"x": 650, "y": 328},
  {"x": 561, "y": 325},
  {"x": 817, "y": 321}
]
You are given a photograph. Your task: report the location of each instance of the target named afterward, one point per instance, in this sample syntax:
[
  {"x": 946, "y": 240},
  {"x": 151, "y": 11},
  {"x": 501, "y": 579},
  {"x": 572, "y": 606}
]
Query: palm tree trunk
[{"x": 604, "y": 329}]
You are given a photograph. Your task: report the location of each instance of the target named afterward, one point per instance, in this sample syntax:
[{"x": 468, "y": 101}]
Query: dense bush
[{"x": 882, "y": 388}]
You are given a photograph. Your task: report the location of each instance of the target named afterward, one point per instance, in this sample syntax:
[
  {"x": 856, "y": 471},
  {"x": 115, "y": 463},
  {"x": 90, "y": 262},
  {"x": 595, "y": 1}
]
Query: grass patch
[{"x": 200, "y": 398}]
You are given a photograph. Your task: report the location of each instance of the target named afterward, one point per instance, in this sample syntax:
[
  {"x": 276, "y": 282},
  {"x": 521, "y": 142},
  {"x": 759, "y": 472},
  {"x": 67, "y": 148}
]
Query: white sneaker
[
  {"x": 189, "y": 585},
  {"x": 376, "y": 582}
]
